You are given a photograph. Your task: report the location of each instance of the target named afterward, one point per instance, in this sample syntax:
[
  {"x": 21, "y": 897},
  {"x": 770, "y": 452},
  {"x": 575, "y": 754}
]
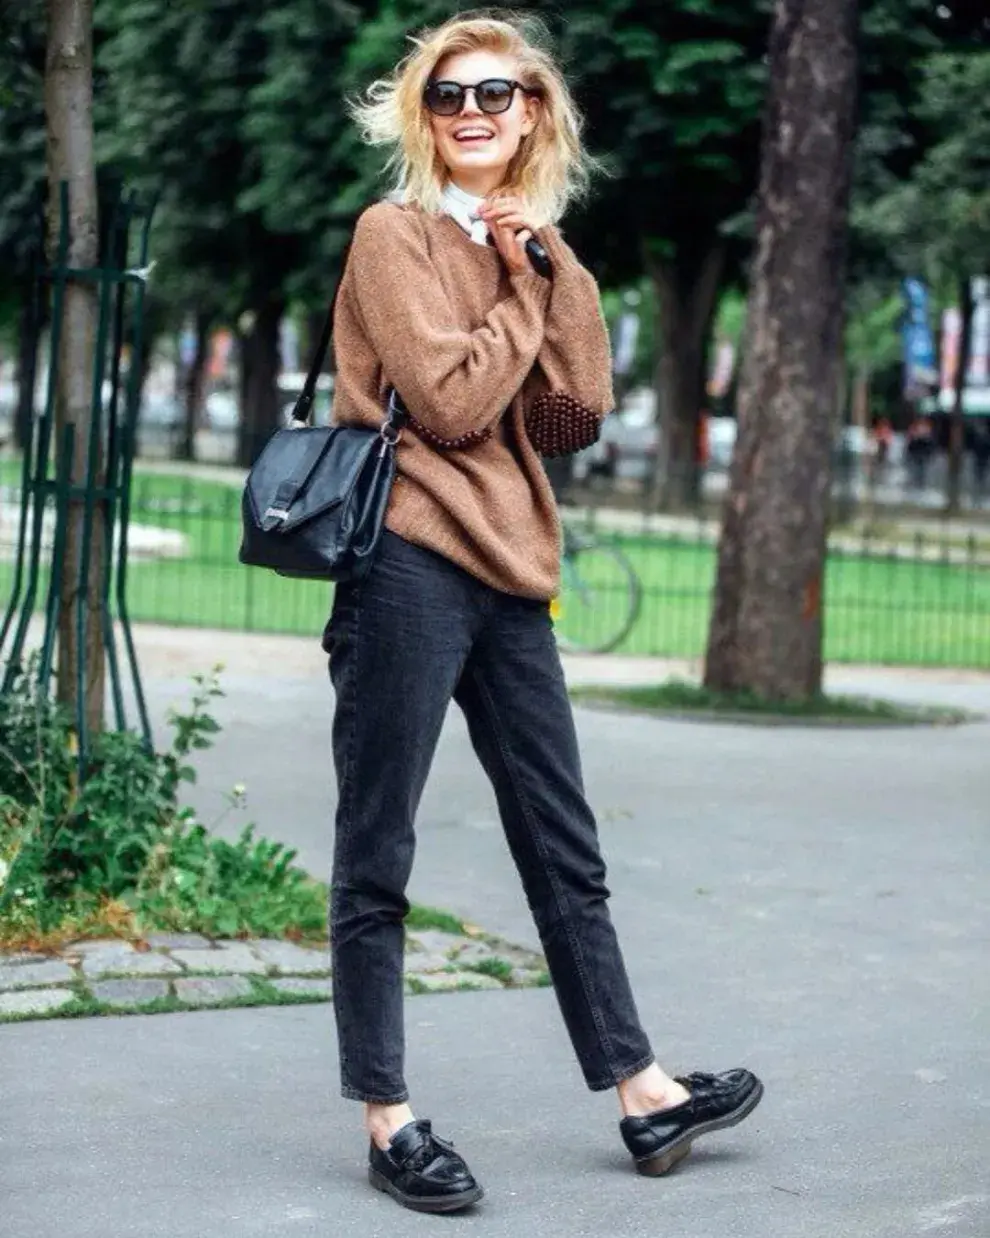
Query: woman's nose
[{"x": 470, "y": 104}]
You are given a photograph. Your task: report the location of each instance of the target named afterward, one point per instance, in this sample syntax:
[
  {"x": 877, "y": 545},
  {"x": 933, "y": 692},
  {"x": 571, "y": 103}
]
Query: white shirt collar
[{"x": 462, "y": 207}]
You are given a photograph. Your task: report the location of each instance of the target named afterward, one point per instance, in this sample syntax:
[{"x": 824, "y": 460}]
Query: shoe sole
[
  {"x": 444, "y": 1203},
  {"x": 659, "y": 1163}
]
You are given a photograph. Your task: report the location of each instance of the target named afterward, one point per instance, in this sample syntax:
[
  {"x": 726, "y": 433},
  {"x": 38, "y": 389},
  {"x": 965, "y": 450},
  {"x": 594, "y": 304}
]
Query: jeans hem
[
  {"x": 349, "y": 1093},
  {"x": 619, "y": 1076}
]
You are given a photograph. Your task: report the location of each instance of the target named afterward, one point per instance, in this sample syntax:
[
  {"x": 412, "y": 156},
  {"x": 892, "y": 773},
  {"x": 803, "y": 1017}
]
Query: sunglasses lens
[
  {"x": 495, "y": 96},
  {"x": 444, "y": 98}
]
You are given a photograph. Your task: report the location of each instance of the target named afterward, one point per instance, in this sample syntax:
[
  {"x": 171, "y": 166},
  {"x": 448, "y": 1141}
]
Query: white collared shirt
[{"x": 462, "y": 207}]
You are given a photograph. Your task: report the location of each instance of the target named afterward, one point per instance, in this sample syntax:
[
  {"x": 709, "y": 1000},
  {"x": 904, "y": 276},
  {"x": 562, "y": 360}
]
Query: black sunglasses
[{"x": 493, "y": 95}]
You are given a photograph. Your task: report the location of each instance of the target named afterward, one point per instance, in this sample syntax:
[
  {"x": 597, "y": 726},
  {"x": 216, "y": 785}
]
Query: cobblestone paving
[{"x": 177, "y": 971}]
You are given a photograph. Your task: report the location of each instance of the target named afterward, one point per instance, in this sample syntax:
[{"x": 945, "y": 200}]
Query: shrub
[{"x": 115, "y": 848}]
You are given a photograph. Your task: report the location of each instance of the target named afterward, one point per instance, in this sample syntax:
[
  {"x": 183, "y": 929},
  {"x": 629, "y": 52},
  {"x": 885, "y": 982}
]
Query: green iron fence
[{"x": 912, "y": 599}]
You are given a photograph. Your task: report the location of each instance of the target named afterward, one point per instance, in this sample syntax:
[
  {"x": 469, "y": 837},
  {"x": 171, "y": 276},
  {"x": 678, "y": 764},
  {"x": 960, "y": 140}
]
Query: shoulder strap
[{"x": 304, "y": 405}]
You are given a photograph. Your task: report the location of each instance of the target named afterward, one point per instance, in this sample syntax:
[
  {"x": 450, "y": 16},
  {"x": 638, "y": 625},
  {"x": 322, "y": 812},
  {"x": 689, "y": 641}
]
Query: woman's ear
[{"x": 531, "y": 116}]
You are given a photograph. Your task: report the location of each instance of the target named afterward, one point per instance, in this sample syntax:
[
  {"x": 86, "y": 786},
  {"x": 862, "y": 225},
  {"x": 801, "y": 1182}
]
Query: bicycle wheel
[{"x": 599, "y": 598}]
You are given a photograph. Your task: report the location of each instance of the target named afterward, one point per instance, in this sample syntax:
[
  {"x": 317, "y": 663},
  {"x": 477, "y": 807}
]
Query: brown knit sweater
[{"x": 425, "y": 309}]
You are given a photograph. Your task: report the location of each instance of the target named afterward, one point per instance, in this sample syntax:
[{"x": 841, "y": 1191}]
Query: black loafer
[
  {"x": 423, "y": 1172},
  {"x": 661, "y": 1139}
]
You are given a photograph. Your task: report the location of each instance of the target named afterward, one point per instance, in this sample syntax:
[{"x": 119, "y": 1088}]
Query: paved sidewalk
[{"x": 810, "y": 903}]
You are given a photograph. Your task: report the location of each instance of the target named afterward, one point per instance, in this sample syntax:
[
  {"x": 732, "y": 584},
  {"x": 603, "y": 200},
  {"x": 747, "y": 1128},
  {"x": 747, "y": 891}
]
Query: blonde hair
[{"x": 551, "y": 167}]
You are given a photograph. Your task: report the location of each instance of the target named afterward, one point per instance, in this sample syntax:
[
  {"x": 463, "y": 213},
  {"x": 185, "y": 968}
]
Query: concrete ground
[{"x": 810, "y": 903}]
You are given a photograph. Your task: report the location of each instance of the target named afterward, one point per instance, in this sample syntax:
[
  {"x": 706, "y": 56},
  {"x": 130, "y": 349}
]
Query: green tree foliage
[
  {"x": 212, "y": 105},
  {"x": 22, "y": 180}
]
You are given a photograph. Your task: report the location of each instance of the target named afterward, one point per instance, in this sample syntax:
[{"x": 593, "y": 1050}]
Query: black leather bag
[{"x": 314, "y": 502}]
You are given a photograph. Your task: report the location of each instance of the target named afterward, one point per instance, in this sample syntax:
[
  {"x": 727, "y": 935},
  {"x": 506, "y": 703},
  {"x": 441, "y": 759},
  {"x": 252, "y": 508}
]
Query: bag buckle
[
  {"x": 277, "y": 513},
  {"x": 390, "y": 436}
]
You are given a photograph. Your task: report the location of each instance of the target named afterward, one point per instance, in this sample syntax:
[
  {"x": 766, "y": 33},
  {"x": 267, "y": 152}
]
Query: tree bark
[
  {"x": 69, "y": 126},
  {"x": 260, "y": 365},
  {"x": 686, "y": 292},
  {"x": 194, "y": 388},
  {"x": 766, "y": 629},
  {"x": 957, "y": 417}
]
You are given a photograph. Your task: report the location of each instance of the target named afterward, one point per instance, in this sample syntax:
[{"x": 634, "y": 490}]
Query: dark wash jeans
[{"x": 415, "y": 634}]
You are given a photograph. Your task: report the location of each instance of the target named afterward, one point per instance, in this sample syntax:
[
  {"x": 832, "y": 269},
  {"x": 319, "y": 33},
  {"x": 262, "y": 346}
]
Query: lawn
[{"x": 879, "y": 609}]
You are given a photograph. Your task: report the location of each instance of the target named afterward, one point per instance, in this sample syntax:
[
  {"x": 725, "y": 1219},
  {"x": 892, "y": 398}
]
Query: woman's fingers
[
  {"x": 515, "y": 220},
  {"x": 507, "y": 212},
  {"x": 510, "y": 245}
]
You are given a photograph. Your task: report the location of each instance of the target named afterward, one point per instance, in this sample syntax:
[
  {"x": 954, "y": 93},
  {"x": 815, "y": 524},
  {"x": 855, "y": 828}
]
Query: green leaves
[
  {"x": 937, "y": 219},
  {"x": 66, "y": 849}
]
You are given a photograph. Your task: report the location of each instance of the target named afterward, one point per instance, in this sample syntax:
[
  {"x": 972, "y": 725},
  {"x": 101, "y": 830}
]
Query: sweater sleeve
[
  {"x": 575, "y": 356},
  {"x": 453, "y": 381}
]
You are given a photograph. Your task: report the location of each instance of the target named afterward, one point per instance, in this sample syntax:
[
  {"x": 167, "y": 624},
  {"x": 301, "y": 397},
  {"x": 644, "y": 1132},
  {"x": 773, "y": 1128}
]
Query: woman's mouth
[{"x": 469, "y": 137}]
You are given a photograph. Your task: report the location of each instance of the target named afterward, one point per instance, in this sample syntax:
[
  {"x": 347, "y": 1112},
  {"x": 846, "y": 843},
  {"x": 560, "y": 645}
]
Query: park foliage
[
  {"x": 234, "y": 114},
  {"x": 109, "y": 849}
]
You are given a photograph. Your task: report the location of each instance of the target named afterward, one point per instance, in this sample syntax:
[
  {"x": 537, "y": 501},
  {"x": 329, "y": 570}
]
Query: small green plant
[
  {"x": 195, "y": 882},
  {"x": 432, "y": 918},
  {"x": 500, "y": 969},
  {"x": 114, "y": 851}
]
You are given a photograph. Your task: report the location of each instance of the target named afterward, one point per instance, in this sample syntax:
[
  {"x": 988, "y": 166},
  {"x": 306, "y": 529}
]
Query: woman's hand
[{"x": 511, "y": 227}]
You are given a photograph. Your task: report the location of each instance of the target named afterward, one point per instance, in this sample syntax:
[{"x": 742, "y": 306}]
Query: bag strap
[{"x": 397, "y": 413}]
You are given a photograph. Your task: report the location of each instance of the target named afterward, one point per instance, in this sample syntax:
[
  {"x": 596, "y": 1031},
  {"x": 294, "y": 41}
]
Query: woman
[{"x": 440, "y": 300}]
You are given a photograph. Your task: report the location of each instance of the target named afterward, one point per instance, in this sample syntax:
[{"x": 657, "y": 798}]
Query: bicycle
[{"x": 600, "y": 595}]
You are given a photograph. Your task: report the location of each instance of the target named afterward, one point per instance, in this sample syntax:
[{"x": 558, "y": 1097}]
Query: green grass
[
  {"x": 500, "y": 969},
  {"x": 879, "y": 609},
  {"x": 432, "y": 918},
  {"x": 678, "y": 697}
]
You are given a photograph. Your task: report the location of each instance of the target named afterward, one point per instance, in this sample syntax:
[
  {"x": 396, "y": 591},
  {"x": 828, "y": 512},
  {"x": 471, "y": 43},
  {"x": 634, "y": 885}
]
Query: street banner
[
  {"x": 626, "y": 338},
  {"x": 920, "y": 369},
  {"x": 951, "y": 347},
  {"x": 978, "y": 371},
  {"x": 721, "y": 375}
]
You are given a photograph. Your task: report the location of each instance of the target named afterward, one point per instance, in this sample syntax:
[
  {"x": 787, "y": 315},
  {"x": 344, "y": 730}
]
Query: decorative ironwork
[{"x": 47, "y": 488}]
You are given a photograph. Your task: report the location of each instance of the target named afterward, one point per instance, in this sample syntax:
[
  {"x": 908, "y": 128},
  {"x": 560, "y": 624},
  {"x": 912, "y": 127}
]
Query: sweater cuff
[
  {"x": 561, "y": 255},
  {"x": 530, "y": 288}
]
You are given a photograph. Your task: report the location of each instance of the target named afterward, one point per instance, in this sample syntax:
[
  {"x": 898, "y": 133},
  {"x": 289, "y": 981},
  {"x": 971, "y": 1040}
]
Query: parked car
[
  {"x": 290, "y": 387},
  {"x": 721, "y": 433},
  {"x": 629, "y": 442}
]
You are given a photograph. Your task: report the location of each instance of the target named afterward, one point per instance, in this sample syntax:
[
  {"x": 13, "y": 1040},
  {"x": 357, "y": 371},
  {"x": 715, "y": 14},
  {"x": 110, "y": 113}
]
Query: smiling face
[{"x": 477, "y": 147}]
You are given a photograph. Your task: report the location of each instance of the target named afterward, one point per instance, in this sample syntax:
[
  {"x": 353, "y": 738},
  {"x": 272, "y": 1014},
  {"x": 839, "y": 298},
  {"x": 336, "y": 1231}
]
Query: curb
[{"x": 181, "y": 973}]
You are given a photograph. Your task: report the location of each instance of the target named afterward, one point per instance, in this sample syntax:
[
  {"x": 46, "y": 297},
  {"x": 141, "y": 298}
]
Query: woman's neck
[{"x": 476, "y": 187}]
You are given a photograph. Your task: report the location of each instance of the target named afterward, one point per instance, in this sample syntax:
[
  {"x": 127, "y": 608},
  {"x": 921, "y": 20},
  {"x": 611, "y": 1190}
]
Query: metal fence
[{"x": 900, "y": 595}]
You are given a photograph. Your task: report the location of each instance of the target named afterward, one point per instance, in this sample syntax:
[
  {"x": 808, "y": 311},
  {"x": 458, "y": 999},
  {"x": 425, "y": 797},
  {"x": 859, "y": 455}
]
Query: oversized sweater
[{"x": 468, "y": 346}]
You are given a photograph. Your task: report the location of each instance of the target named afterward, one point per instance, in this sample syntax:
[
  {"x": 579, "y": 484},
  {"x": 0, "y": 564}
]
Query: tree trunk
[
  {"x": 260, "y": 364},
  {"x": 69, "y": 124},
  {"x": 29, "y": 328},
  {"x": 194, "y": 388},
  {"x": 957, "y": 417},
  {"x": 766, "y": 630},
  {"x": 686, "y": 292}
]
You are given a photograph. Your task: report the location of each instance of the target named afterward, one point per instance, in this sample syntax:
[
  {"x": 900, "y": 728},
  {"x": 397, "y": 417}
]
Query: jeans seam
[
  {"x": 397, "y": 1098},
  {"x": 345, "y": 790},
  {"x": 530, "y": 819}
]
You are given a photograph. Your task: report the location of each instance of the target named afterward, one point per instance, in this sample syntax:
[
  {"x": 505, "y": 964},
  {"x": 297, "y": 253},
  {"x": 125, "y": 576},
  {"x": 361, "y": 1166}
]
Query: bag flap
[{"x": 328, "y": 460}]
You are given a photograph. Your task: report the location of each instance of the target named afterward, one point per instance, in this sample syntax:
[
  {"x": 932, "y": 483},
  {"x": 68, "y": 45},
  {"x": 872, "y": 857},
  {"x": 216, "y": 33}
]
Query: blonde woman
[{"x": 440, "y": 300}]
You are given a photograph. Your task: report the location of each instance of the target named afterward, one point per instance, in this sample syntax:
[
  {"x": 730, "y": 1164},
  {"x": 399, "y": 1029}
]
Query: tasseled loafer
[
  {"x": 423, "y": 1172},
  {"x": 661, "y": 1139}
]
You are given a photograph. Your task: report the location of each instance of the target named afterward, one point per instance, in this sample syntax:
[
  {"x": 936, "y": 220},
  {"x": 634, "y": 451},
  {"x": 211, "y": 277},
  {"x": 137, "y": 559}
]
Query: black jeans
[{"x": 415, "y": 634}]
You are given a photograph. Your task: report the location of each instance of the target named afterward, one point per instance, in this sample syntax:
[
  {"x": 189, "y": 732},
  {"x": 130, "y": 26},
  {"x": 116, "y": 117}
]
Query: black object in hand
[{"x": 539, "y": 258}]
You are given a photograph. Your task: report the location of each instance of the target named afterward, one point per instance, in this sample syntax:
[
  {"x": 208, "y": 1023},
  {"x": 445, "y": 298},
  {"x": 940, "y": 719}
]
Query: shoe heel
[{"x": 657, "y": 1166}]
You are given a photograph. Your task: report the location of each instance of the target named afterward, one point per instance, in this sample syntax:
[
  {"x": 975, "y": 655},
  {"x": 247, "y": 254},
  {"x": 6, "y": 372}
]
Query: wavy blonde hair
[{"x": 551, "y": 167}]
